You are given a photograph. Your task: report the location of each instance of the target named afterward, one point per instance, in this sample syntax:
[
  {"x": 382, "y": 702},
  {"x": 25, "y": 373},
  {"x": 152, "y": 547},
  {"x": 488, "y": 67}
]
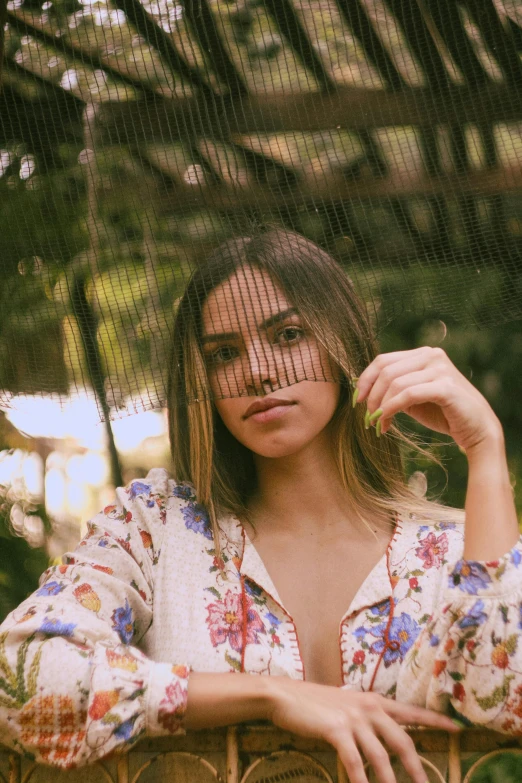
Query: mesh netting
[{"x": 321, "y": 166}]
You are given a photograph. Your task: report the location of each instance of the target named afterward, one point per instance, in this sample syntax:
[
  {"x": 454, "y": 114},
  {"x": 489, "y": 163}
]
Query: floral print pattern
[
  {"x": 196, "y": 519},
  {"x": 469, "y": 577},
  {"x": 123, "y": 623},
  {"x": 234, "y": 619},
  {"x": 395, "y": 640},
  {"x": 85, "y": 672},
  {"x": 431, "y": 550}
]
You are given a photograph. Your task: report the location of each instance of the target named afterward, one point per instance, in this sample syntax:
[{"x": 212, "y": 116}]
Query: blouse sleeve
[
  {"x": 468, "y": 659},
  {"x": 73, "y": 684}
]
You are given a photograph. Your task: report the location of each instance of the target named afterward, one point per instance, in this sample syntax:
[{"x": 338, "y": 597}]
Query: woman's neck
[{"x": 301, "y": 492}]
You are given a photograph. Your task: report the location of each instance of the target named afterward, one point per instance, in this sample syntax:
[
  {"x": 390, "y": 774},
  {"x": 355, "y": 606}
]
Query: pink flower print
[
  {"x": 432, "y": 550},
  {"x": 226, "y": 619},
  {"x": 172, "y": 708}
]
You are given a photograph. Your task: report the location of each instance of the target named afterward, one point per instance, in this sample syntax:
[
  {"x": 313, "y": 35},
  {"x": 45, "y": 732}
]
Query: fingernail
[
  {"x": 378, "y": 428},
  {"x": 355, "y": 397},
  {"x": 376, "y": 414},
  {"x": 367, "y": 420}
]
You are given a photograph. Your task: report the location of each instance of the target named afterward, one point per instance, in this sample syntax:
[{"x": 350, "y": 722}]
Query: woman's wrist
[
  {"x": 224, "y": 699},
  {"x": 491, "y": 446},
  {"x": 491, "y": 519}
]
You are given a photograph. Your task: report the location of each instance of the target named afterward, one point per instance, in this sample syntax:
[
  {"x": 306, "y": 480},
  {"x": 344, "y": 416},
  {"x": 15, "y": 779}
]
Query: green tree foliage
[{"x": 20, "y": 564}]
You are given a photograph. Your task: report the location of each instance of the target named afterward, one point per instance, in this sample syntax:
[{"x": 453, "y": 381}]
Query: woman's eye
[
  {"x": 290, "y": 334},
  {"x": 221, "y": 355}
]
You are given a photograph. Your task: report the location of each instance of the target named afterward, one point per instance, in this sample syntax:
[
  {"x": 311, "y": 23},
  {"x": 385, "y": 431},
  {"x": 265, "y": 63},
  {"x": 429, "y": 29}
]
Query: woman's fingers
[
  {"x": 391, "y": 364},
  {"x": 402, "y": 745},
  {"x": 431, "y": 398},
  {"x": 376, "y": 754},
  {"x": 391, "y": 378},
  {"x": 386, "y": 390},
  {"x": 351, "y": 760},
  {"x": 410, "y": 715}
]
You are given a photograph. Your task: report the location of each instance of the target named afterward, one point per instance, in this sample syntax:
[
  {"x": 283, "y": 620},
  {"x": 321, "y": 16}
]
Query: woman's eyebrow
[
  {"x": 273, "y": 319},
  {"x": 278, "y": 317}
]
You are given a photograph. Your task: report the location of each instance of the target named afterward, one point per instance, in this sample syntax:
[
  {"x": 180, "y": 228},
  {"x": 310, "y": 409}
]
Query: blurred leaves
[{"x": 23, "y": 529}]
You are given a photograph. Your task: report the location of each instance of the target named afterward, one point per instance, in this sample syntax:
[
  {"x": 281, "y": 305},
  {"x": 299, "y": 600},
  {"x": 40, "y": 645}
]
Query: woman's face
[{"x": 258, "y": 351}]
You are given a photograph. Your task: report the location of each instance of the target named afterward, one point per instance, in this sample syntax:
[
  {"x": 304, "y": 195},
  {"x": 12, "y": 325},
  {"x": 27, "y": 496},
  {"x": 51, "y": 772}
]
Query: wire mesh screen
[{"x": 362, "y": 157}]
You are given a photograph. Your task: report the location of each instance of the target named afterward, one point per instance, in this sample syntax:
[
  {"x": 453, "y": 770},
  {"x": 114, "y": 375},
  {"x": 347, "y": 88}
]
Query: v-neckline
[{"x": 375, "y": 588}]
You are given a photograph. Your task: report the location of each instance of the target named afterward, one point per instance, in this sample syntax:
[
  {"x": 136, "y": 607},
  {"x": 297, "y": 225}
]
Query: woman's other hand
[
  {"x": 426, "y": 385},
  {"x": 356, "y": 724}
]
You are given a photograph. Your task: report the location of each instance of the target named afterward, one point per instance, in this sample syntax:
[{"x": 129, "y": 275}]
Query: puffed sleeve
[
  {"x": 73, "y": 684},
  {"x": 468, "y": 659}
]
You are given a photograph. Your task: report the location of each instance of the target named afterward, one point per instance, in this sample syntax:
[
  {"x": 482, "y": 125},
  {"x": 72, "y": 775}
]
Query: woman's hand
[
  {"x": 426, "y": 385},
  {"x": 356, "y": 724}
]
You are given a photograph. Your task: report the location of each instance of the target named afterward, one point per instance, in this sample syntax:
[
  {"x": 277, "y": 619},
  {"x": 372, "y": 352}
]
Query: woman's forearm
[
  {"x": 491, "y": 519},
  {"x": 224, "y": 699}
]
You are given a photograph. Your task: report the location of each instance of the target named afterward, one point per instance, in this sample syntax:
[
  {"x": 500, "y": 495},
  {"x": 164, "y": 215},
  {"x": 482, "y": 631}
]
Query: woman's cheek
[{"x": 231, "y": 410}]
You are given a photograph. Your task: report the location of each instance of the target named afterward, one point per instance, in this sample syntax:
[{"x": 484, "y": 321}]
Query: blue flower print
[
  {"x": 196, "y": 519},
  {"x": 520, "y": 616},
  {"x": 360, "y": 633},
  {"x": 447, "y": 525},
  {"x": 139, "y": 488},
  {"x": 252, "y": 589},
  {"x": 516, "y": 557},
  {"x": 469, "y": 576},
  {"x": 50, "y": 588},
  {"x": 122, "y": 623},
  {"x": 273, "y": 620},
  {"x": 381, "y": 609},
  {"x": 124, "y": 730},
  {"x": 183, "y": 491},
  {"x": 474, "y": 617},
  {"x": 401, "y": 635},
  {"x": 103, "y": 542},
  {"x": 54, "y": 627},
  {"x": 434, "y": 640}
]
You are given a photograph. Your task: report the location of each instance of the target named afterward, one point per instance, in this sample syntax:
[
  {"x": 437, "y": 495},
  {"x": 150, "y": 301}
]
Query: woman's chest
[
  {"x": 317, "y": 585},
  {"x": 270, "y": 615},
  {"x": 243, "y": 611}
]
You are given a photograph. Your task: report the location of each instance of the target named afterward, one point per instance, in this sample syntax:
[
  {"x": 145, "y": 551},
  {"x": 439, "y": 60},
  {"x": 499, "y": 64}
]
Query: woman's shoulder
[
  {"x": 146, "y": 501},
  {"x": 159, "y": 497},
  {"x": 155, "y": 490}
]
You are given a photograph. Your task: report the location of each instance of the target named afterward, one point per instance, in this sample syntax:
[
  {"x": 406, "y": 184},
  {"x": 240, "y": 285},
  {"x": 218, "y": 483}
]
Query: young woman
[{"x": 289, "y": 544}]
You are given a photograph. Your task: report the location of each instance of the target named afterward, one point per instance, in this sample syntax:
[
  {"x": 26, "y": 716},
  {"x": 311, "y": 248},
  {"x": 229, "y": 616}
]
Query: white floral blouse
[{"x": 100, "y": 654}]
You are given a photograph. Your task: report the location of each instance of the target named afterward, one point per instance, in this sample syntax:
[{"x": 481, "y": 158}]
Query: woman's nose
[{"x": 261, "y": 372}]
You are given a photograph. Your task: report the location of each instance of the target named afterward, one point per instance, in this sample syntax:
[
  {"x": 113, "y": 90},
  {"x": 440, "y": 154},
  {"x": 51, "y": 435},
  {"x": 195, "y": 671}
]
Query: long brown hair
[{"x": 204, "y": 452}]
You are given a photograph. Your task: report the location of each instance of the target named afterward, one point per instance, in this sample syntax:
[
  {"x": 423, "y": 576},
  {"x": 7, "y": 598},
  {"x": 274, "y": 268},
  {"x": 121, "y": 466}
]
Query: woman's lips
[
  {"x": 271, "y": 414},
  {"x": 260, "y": 406}
]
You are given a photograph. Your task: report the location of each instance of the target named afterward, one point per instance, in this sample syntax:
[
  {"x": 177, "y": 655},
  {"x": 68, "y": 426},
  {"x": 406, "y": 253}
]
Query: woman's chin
[{"x": 278, "y": 450}]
